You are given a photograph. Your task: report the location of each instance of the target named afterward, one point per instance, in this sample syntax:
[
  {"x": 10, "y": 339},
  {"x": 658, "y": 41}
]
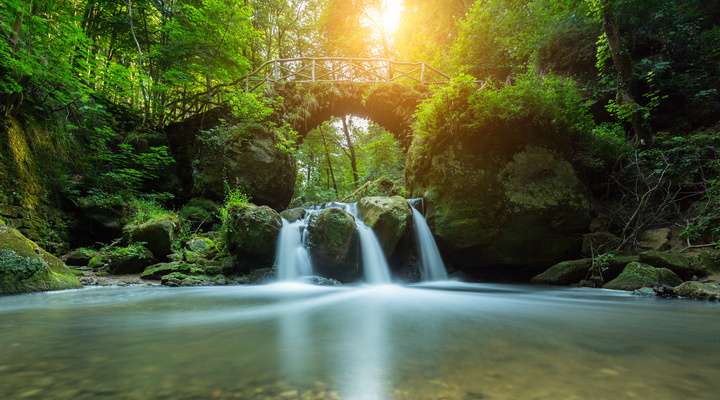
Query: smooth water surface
[{"x": 291, "y": 341}]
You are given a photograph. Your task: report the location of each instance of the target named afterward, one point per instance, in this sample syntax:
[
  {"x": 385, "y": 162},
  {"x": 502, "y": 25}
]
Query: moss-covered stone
[
  {"x": 389, "y": 217},
  {"x": 200, "y": 214},
  {"x": 132, "y": 259},
  {"x": 686, "y": 267},
  {"x": 180, "y": 279},
  {"x": 25, "y": 267},
  {"x": 250, "y": 235},
  {"x": 331, "y": 235},
  {"x": 500, "y": 202},
  {"x": 157, "y": 271},
  {"x": 637, "y": 275},
  {"x": 157, "y": 235},
  {"x": 698, "y": 290},
  {"x": 573, "y": 271},
  {"x": 293, "y": 214},
  {"x": 80, "y": 257}
]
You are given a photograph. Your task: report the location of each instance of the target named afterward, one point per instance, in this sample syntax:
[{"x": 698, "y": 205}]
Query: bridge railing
[{"x": 342, "y": 69}]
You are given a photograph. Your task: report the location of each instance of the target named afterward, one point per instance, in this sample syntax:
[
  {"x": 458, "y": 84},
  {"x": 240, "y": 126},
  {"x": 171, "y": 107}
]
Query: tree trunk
[
  {"x": 622, "y": 61},
  {"x": 329, "y": 163},
  {"x": 351, "y": 150}
]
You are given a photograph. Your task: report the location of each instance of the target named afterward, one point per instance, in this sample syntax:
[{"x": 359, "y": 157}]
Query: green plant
[
  {"x": 142, "y": 211},
  {"x": 234, "y": 198}
]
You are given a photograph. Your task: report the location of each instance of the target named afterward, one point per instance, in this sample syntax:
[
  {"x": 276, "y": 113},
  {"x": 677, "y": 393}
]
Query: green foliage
[
  {"x": 235, "y": 198},
  {"x": 14, "y": 267},
  {"x": 142, "y": 211}
]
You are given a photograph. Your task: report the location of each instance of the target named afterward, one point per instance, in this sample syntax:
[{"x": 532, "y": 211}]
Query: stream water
[{"x": 442, "y": 340}]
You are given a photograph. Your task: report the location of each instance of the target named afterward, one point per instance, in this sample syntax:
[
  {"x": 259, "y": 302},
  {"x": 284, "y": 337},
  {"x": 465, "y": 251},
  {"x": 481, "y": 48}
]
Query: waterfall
[
  {"x": 292, "y": 258},
  {"x": 374, "y": 264},
  {"x": 432, "y": 266}
]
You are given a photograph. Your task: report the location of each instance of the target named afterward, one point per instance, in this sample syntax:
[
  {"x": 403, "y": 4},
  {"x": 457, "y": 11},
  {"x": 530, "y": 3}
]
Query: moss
[
  {"x": 123, "y": 260},
  {"x": 698, "y": 290},
  {"x": 157, "y": 234},
  {"x": 250, "y": 233},
  {"x": 180, "y": 279},
  {"x": 573, "y": 271},
  {"x": 389, "y": 217},
  {"x": 25, "y": 267},
  {"x": 200, "y": 214},
  {"x": 637, "y": 275},
  {"x": 157, "y": 271},
  {"x": 679, "y": 263},
  {"x": 331, "y": 240}
]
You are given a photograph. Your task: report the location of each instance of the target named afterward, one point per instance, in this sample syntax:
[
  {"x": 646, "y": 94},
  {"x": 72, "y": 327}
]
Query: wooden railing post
[{"x": 313, "y": 70}]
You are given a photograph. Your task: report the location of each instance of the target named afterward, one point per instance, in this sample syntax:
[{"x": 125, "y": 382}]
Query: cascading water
[
  {"x": 374, "y": 263},
  {"x": 432, "y": 267},
  {"x": 292, "y": 258}
]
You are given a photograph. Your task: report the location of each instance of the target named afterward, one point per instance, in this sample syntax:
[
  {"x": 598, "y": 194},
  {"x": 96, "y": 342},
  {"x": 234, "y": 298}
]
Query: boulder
[
  {"x": 331, "y": 240},
  {"x": 200, "y": 214},
  {"x": 123, "y": 260},
  {"x": 293, "y": 214},
  {"x": 573, "y": 271},
  {"x": 79, "y": 257},
  {"x": 158, "y": 235},
  {"x": 596, "y": 243},
  {"x": 655, "y": 239},
  {"x": 180, "y": 279},
  {"x": 157, "y": 271},
  {"x": 25, "y": 267},
  {"x": 250, "y": 235},
  {"x": 250, "y": 159},
  {"x": 389, "y": 218},
  {"x": 507, "y": 210},
  {"x": 637, "y": 275},
  {"x": 698, "y": 290},
  {"x": 686, "y": 267}
]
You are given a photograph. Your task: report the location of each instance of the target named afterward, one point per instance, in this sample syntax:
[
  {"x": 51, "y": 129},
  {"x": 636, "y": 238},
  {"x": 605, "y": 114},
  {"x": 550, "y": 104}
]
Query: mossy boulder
[
  {"x": 500, "y": 206},
  {"x": 132, "y": 259},
  {"x": 389, "y": 218},
  {"x": 181, "y": 279},
  {"x": 250, "y": 235},
  {"x": 157, "y": 235},
  {"x": 293, "y": 214},
  {"x": 25, "y": 267},
  {"x": 202, "y": 247},
  {"x": 637, "y": 275},
  {"x": 573, "y": 271},
  {"x": 200, "y": 214},
  {"x": 698, "y": 290},
  {"x": 157, "y": 271},
  {"x": 686, "y": 267},
  {"x": 80, "y": 257},
  {"x": 331, "y": 239},
  {"x": 246, "y": 158}
]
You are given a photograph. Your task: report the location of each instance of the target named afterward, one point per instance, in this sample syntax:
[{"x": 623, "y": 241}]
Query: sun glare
[{"x": 385, "y": 18}]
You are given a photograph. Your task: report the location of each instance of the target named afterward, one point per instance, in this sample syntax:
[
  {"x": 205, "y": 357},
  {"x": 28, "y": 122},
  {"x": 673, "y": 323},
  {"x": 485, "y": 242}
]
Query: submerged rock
[
  {"x": 389, "y": 218},
  {"x": 637, "y": 275},
  {"x": 25, "y": 267},
  {"x": 331, "y": 236},
  {"x": 250, "y": 234},
  {"x": 157, "y": 235},
  {"x": 684, "y": 266}
]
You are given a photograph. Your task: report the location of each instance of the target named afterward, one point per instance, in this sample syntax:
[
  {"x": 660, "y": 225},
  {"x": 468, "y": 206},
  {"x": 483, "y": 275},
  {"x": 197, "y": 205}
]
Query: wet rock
[
  {"x": 293, "y": 214},
  {"x": 569, "y": 272},
  {"x": 157, "y": 271},
  {"x": 637, "y": 275},
  {"x": 180, "y": 279},
  {"x": 331, "y": 239},
  {"x": 260, "y": 276},
  {"x": 698, "y": 290},
  {"x": 686, "y": 267},
  {"x": 389, "y": 217},
  {"x": 645, "y": 292},
  {"x": 157, "y": 235},
  {"x": 250, "y": 234},
  {"x": 320, "y": 281},
  {"x": 26, "y": 267}
]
